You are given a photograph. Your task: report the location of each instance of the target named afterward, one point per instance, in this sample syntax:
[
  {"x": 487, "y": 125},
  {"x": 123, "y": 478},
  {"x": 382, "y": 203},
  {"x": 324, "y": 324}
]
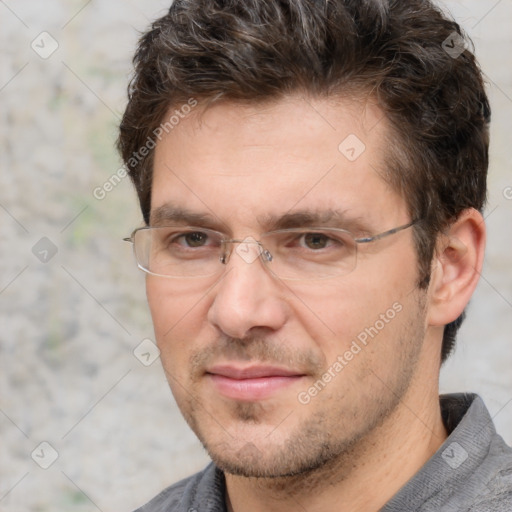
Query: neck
[{"x": 364, "y": 478}]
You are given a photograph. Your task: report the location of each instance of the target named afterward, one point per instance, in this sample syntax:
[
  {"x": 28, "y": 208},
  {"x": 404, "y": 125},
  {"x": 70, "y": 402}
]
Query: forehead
[{"x": 239, "y": 162}]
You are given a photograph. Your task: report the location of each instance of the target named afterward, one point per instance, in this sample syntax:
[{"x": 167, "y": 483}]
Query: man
[{"x": 312, "y": 176}]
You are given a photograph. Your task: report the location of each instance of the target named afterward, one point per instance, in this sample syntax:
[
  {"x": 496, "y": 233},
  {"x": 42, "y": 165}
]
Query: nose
[{"x": 247, "y": 297}]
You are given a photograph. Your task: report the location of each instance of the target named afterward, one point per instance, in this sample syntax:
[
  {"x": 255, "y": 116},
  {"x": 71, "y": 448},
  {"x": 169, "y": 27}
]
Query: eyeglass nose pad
[
  {"x": 266, "y": 254},
  {"x": 226, "y": 249}
]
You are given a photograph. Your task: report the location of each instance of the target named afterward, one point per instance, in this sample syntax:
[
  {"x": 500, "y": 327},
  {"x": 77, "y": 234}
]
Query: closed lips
[{"x": 253, "y": 372}]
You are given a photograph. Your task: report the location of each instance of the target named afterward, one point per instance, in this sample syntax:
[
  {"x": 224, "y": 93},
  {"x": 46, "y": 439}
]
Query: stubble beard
[{"x": 322, "y": 447}]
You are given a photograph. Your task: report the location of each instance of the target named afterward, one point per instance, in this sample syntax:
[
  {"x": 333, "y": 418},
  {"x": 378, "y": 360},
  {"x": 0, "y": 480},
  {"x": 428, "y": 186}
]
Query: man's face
[{"x": 278, "y": 377}]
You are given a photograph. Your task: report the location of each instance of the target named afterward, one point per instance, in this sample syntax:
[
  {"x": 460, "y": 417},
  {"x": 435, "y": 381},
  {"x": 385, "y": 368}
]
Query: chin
[{"x": 297, "y": 456}]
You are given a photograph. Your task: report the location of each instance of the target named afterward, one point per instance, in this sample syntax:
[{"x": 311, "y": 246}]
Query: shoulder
[
  {"x": 501, "y": 502},
  {"x": 200, "y": 491},
  {"x": 490, "y": 482},
  {"x": 470, "y": 472},
  {"x": 497, "y": 493},
  {"x": 170, "y": 498}
]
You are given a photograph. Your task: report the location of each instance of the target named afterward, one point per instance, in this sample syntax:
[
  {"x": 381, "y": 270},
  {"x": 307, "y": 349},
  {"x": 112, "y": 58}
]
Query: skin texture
[{"x": 376, "y": 421}]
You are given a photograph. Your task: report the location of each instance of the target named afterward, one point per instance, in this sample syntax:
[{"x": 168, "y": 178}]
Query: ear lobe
[{"x": 457, "y": 267}]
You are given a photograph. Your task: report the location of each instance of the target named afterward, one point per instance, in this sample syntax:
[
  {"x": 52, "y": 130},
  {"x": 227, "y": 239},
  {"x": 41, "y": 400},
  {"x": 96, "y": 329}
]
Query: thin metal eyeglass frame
[{"x": 264, "y": 252}]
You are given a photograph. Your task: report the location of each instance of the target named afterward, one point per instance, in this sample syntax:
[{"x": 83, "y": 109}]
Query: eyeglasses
[{"x": 293, "y": 254}]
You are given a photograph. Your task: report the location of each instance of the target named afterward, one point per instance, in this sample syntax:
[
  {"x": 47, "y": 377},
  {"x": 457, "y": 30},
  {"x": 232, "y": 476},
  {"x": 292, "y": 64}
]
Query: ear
[{"x": 457, "y": 266}]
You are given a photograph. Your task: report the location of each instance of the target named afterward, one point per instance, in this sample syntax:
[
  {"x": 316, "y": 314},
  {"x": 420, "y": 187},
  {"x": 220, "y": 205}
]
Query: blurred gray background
[{"x": 72, "y": 303}]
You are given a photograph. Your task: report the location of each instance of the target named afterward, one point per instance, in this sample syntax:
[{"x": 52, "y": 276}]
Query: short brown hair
[{"x": 259, "y": 50}]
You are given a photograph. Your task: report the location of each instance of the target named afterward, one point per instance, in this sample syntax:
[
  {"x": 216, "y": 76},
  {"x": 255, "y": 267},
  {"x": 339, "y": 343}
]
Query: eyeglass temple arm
[{"x": 385, "y": 234}]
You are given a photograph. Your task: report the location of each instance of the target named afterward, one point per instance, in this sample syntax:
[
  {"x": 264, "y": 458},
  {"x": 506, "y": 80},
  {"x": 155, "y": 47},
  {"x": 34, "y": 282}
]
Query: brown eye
[
  {"x": 195, "y": 239},
  {"x": 316, "y": 240}
]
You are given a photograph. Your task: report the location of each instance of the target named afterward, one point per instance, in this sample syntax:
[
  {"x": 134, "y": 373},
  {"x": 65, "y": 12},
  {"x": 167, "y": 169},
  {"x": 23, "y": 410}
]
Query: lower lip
[{"x": 251, "y": 389}]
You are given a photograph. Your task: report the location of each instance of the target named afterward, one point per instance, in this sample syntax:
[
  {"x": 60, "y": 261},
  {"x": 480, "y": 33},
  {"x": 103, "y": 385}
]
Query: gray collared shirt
[{"x": 471, "y": 472}]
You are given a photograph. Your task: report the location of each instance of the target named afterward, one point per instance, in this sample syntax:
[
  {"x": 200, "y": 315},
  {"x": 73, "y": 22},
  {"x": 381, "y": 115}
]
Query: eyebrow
[
  {"x": 168, "y": 214},
  {"x": 320, "y": 218}
]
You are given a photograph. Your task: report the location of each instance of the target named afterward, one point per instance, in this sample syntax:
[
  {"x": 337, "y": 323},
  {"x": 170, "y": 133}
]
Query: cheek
[
  {"x": 178, "y": 311},
  {"x": 337, "y": 308},
  {"x": 360, "y": 308},
  {"x": 161, "y": 304}
]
